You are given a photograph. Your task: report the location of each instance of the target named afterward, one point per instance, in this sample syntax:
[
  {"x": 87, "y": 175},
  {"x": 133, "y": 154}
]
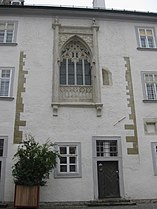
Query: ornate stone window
[{"x": 75, "y": 73}]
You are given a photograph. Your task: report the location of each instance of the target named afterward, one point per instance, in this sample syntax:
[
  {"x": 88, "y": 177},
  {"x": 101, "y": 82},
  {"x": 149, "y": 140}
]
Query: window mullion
[
  {"x": 83, "y": 69},
  {"x": 75, "y": 73},
  {"x": 66, "y": 71}
]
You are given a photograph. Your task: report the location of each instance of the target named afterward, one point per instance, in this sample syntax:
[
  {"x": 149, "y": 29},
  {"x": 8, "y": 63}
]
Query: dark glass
[
  {"x": 72, "y": 150},
  {"x": 87, "y": 73},
  {"x": 72, "y": 159},
  {"x": 63, "y": 150},
  {"x": 63, "y": 168},
  {"x": 72, "y": 168},
  {"x": 79, "y": 71},
  {"x": 71, "y": 73},
  {"x": 63, "y": 72},
  {"x": 63, "y": 160}
]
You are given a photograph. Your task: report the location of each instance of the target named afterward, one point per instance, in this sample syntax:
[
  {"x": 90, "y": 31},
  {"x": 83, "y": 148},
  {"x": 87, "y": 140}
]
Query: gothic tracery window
[{"x": 75, "y": 64}]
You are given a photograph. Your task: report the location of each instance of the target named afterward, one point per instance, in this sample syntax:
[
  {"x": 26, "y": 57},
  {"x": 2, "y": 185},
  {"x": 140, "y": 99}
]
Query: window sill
[
  {"x": 149, "y": 101},
  {"x": 146, "y": 49},
  {"x": 59, "y": 176},
  {"x": 8, "y": 44},
  {"x": 98, "y": 106},
  {"x": 6, "y": 98}
]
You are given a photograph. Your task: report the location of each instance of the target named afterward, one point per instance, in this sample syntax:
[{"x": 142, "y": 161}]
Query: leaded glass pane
[
  {"x": 150, "y": 91},
  {"x": 87, "y": 73},
  {"x": 143, "y": 41},
  {"x": 63, "y": 72},
  {"x": 9, "y": 37},
  {"x": 150, "y": 42},
  {"x": 79, "y": 73},
  {"x": 4, "y": 88},
  {"x": 71, "y": 76}
]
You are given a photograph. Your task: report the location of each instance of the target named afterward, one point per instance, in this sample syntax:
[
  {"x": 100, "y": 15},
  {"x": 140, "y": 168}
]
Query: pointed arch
[{"x": 75, "y": 65}]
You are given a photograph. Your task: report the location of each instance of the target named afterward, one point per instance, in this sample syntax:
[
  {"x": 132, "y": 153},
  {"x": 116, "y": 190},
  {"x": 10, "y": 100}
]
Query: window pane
[
  {"x": 87, "y": 73},
  {"x": 1, "y": 147},
  {"x": 143, "y": 41},
  {"x": 1, "y": 36},
  {"x": 4, "y": 88},
  {"x": 10, "y": 27},
  {"x": 72, "y": 150},
  {"x": 142, "y": 32},
  {"x": 63, "y": 160},
  {"x": 150, "y": 91},
  {"x": 150, "y": 42},
  {"x": 5, "y": 73},
  {"x": 9, "y": 37},
  {"x": 79, "y": 73},
  {"x": 72, "y": 159},
  {"x": 63, "y": 72},
  {"x": 71, "y": 77},
  {"x": 72, "y": 168},
  {"x": 63, "y": 150},
  {"x": 63, "y": 168},
  {"x": 149, "y": 33},
  {"x": 2, "y": 26}
]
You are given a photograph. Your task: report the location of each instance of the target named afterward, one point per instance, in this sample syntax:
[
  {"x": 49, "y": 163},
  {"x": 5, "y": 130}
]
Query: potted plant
[{"x": 33, "y": 164}]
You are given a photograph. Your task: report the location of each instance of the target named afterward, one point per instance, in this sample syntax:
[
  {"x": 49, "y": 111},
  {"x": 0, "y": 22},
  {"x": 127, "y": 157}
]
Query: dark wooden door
[{"x": 108, "y": 179}]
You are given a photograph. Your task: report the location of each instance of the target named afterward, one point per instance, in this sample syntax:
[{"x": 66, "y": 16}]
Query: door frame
[
  {"x": 3, "y": 168},
  {"x": 115, "y": 158}
]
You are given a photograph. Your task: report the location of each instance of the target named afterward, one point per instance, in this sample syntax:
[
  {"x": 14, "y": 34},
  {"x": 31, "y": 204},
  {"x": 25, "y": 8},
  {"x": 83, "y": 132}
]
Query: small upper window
[
  {"x": 8, "y": 32},
  {"x": 5, "y": 82},
  {"x": 150, "y": 85},
  {"x": 146, "y": 38}
]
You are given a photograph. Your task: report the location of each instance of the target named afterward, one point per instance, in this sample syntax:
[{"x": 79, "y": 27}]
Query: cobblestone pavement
[{"x": 138, "y": 206}]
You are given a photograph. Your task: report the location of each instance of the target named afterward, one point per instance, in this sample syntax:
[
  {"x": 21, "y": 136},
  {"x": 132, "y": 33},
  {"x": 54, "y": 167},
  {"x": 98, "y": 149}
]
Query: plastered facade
[{"x": 117, "y": 45}]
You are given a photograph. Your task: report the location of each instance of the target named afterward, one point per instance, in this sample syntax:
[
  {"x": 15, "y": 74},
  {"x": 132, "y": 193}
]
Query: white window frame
[
  {"x": 6, "y": 23},
  {"x": 147, "y": 44},
  {"x": 68, "y": 174},
  {"x": 10, "y": 88},
  {"x": 153, "y": 83},
  {"x": 154, "y": 156}
]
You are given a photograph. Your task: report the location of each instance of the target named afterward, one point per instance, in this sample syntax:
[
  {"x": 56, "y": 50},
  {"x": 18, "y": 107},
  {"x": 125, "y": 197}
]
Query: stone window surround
[
  {"x": 15, "y": 32},
  {"x": 154, "y": 156},
  {"x": 69, "y": 175},
  {"x": 150, "y": 121},
  {"x": 76, "y": 31},
  {"x": 144, "y": 88},
  {"x": 139, "y": 47},
  {"x": 10, "y": 96}
]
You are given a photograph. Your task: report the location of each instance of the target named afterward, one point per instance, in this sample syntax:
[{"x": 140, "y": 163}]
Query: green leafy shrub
[{"x": 34, "y": 162}]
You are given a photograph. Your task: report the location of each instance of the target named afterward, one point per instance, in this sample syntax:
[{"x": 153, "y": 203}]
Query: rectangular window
[
  {"x": 154, "y": 156},
  {"x": 8, "y": 32},
  {"x": 150, "y": 126},
  {"x": 146, "y": 38},
  {"x": 106, "y": 148},
  {"x": 150, "y": 85},
  {"x": 5, "y": 82},
  {"x": 69, "y": 164}
]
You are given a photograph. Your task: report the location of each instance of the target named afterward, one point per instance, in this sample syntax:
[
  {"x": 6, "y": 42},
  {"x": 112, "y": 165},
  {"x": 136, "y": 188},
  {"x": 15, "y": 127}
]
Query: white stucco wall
[{"x": 116, "y": 40}]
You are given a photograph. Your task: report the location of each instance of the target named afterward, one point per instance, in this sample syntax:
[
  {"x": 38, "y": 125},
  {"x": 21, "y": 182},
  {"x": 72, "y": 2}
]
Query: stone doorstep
[{"x": 111, "y": 202}]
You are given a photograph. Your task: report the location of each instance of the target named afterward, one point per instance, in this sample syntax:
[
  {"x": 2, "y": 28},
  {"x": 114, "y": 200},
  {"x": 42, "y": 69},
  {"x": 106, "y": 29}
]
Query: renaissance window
[
  {"x": 150, "y": 85},
  {"x": 69, "y": 161},
  {"x": 5, "y": 82},
  {"x": 146, "y": 38}
]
